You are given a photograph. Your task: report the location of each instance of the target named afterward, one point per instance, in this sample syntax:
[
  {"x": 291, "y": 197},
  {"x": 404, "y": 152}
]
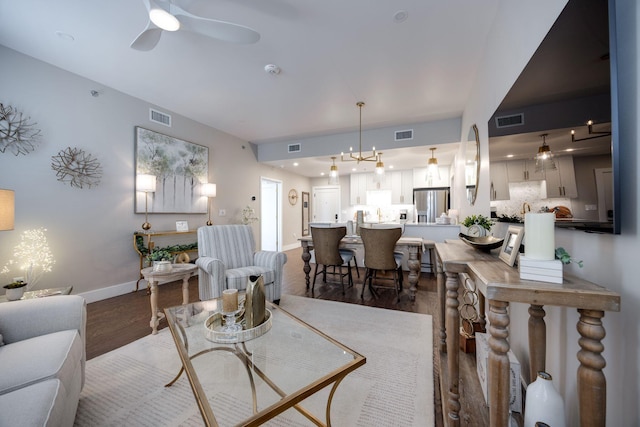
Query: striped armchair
[{"x": 227, "y": 257}]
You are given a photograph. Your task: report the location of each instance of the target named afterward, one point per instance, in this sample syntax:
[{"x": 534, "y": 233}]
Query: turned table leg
[
  {"x": 306, "y": 256},
  {"x": 592, "y": 385},
  {"x": 414, "y": 271},
  {"x": 498, "y": 371},
  {"x": 537, "y": 341},
  {"x": 185, "y": 289},
  {"x": 153, "y": 298},
  {"x": 453, "y": 327},
  {"x": 442, "y": 298}
]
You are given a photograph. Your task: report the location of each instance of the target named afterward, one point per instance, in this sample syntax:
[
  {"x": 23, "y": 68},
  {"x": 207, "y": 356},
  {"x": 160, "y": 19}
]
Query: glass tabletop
[{"x": 247, "y": 383}]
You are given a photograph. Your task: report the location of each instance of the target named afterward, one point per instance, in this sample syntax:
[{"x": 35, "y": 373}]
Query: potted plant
[
  {"x": 15, "y": 290},
  {"x": 160, "y": 260},
  {"x": 477, "y": 225}
]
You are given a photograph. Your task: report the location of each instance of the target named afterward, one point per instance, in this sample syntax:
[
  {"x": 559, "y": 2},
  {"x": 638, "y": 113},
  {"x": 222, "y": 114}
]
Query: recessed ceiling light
[
  {"x": 509, "y": 155},
  {"x": 400, "y": 16},
  {"x": 321, "y": 173},
  {"x": 65, "y": 36},
  {"x": 164, "y": 19},
  {"x": 295, "y": 163},
  {"x": 568, "y": 150}
]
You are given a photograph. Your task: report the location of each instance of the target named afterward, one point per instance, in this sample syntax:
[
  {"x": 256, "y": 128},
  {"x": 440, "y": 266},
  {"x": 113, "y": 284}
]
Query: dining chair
[
  {"x": 379, "y": 245},
  {"x": 326, "y": 245},
  {"x": 344, "y": 252}
]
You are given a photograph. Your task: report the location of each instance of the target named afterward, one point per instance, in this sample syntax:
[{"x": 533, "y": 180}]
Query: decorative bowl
[{"x": 484, "y": 243}]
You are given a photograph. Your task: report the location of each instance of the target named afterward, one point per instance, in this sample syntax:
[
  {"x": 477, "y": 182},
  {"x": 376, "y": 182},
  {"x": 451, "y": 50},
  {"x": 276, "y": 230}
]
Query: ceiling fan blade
[
  {"x": 221, "y": 30},
  {"x": 148, "y": 38}
]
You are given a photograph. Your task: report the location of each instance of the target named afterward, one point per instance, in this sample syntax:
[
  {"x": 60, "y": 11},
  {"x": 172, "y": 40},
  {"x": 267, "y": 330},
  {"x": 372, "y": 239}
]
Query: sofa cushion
[
  {"x": 237, "y": 277},
  {"x": 40, "y": 404},
  {"x": 22, "y": 363}
]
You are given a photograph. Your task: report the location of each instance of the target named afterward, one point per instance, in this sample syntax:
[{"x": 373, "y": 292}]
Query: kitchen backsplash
[{"x": 530, "y": 192}]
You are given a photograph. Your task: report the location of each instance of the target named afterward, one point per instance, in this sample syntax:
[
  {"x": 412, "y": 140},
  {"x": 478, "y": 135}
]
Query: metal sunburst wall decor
[
  {"x": 17, "y": 132},
  {"x": 77, "y": 168}
]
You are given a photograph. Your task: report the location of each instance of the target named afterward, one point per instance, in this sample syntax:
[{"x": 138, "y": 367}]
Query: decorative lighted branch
[
  {"x": 77, "y": 168},
  {"x": 17, "y": 132},
  {"x": 32, "y": 256}
]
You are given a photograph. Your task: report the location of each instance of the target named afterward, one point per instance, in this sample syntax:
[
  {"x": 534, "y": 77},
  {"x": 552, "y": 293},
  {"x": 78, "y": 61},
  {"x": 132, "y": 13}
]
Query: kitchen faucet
[{"x": 526, "y": 207}]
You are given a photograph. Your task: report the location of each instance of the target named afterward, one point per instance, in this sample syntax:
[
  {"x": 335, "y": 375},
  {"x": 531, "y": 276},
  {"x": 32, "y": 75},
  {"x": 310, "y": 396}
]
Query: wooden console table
[
  {"x": 166, "y": 237},
  {"x": 500, "y": 285}
]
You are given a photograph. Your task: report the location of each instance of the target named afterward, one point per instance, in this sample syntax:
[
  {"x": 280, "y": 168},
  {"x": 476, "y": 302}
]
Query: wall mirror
[
  {"x": 472, "y": 164},
  {"x": 566, "y": 83}
]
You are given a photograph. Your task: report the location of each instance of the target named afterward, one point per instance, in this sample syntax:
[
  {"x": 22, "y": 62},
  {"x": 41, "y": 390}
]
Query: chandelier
[
  {"x": 596, "y": 134},
  {"x": 375, "y": 157}
]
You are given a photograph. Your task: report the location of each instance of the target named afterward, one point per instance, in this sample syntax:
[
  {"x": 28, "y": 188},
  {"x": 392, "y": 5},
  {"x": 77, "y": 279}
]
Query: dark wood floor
[{"x": 117, "y": 321}]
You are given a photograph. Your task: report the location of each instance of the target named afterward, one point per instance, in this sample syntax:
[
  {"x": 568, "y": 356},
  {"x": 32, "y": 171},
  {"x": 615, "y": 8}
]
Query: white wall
[
  {"x": 90, "y": 230},
  {"x": 609, "y": 260}
]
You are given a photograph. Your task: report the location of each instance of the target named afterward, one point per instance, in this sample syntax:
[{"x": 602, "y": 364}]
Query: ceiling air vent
[
  {"x": 294, "y": 148},
  {"x": 404, "y": 135},
  {"x": 158, "y": 117},
  {"x": 508, "y": 121}
]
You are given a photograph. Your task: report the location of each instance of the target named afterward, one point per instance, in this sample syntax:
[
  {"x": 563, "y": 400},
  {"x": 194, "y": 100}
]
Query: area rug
[{"x": 394, "y": 388}]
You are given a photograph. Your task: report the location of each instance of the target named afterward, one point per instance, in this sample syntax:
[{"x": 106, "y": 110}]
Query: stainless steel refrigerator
[{"x": 431, "y": 203}]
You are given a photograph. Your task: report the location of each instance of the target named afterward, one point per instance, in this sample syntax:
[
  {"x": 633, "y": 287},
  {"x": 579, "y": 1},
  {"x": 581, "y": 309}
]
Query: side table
[
  {"x": 178, "y": 271},
  {"x": 42, "y": 293}
]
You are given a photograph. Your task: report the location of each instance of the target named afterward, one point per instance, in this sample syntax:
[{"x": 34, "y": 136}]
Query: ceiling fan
[{"x": 164, "y": 15}]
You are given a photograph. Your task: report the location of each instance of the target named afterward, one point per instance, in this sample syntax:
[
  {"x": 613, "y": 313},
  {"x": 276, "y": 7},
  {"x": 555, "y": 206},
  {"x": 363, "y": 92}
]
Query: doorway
[
  {"x": 326, "y": 203},
  {"x": 270, "y": 214}
]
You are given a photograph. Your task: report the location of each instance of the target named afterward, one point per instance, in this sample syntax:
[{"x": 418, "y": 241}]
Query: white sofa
[{"x": 42, "y": 360}]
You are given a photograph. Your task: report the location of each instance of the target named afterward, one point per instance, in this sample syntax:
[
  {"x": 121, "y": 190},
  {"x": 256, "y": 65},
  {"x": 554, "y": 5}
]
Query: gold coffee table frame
[{"x": 186, "y": 323}]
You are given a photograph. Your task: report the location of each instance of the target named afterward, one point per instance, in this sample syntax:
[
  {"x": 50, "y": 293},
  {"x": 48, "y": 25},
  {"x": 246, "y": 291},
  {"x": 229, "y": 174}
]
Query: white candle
[
  {"x": 539, "y": 236},
  {"x": 229, "y": 300}
]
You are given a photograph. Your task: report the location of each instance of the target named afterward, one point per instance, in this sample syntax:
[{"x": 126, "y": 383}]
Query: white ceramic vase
[
  {"x": 14, "y": 294},
  {"x": 543, "y": 403}
]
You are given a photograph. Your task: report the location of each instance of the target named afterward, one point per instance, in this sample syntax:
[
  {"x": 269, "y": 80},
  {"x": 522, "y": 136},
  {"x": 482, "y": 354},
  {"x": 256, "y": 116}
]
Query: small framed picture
[
  {"x": 511, "y": 244},
  {"x": 182, "y": 226}
]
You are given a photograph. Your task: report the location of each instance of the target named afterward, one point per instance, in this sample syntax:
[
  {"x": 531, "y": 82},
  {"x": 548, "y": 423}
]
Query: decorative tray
[
  {"x": 484, "y": 243},
  {"x": 214, "y": 323}
]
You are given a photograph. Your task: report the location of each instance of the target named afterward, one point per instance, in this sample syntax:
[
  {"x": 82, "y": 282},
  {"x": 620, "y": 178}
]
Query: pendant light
[
  {"x": 432, "y": 166},
  {"x": 333, "y": 172},
  {"x": 544, "y": 157}
]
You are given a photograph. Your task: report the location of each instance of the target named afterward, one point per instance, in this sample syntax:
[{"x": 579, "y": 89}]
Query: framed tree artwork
[{"x": 180, "y": 168}]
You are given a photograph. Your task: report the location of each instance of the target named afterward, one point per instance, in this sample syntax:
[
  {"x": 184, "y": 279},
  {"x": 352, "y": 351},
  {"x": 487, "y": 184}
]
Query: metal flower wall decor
[
  {"x": 77, "y": 168},
  {"x": 17, "y": 132}
]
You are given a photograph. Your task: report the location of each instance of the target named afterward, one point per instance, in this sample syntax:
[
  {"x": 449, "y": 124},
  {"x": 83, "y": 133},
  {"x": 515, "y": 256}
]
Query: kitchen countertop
[{"x": 430, "y": 224}]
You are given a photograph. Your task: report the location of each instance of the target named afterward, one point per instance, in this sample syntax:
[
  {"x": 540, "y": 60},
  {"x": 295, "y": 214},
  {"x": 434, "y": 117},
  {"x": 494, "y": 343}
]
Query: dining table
[{"x": 414, "y": 246}]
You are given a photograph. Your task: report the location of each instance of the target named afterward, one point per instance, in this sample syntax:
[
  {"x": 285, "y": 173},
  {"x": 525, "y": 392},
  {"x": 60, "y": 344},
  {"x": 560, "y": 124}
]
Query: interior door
[
  {"x": 326, "y": 203},
  {"x": 270, "y": 214}
]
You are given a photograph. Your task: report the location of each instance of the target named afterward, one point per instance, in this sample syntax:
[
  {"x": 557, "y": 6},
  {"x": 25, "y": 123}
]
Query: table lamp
[
  {"x": 209, "y": 191},
  {"x": 146, "y": 184},
  {"x": 7, "y": 209}
]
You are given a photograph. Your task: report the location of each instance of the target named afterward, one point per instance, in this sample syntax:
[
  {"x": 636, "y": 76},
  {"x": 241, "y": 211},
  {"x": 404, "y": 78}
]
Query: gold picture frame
[{"x": 511, "y": 245}]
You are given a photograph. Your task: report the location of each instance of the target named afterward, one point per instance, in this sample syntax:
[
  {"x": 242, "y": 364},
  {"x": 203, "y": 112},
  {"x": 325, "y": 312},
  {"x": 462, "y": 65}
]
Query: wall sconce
[
  {"x": 146, "y": 184},
  {"x": 7, "y": 209},
  {"x": 333, "y": 173},
  {"x": 209, "y": 191}
]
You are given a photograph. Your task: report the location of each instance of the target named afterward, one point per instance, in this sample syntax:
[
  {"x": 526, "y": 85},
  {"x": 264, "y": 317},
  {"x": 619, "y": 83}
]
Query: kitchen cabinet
[
  {"x": 499, "y": 186},
  {"x": 562, "y": 181},
  {"x": 420, "y": 178},
  {"x": 378, "y": 182},
  {"x": 523, "y": 170},
  {"x": 402, "y": 187},
  {"x": 358, "y": 194}
]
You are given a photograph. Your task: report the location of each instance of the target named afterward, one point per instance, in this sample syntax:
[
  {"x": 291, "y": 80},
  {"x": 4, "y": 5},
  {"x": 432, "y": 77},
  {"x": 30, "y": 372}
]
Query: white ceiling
[{"x": 332, "y": 53}]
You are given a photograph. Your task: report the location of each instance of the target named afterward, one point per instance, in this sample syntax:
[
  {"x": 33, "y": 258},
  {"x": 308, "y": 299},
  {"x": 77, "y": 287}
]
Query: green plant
[
  {"x": 15, "y": 285},
  {"x": 159, "y": 255},
  {"x": 564, "y": 256},
  {"x": 481, "y": 220}
]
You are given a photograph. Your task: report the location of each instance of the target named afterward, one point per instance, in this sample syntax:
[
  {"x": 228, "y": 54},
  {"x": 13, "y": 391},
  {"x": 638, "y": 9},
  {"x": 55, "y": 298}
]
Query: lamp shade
[
  {"x": 7, "y": 209},
  {"x": 146, "y": 183},
  {"x": 209, "y": 190}
]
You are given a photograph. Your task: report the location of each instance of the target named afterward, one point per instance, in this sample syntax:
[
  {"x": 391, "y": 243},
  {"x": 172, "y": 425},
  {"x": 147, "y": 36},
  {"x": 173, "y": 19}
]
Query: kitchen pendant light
[
  {"x": 375, "y": 157},
  {"x": 379, "y": 165},
  {"x": 333, "y": 172},
  {"x": 544, "y": 157},
  {"x": 432, "y": 166}
]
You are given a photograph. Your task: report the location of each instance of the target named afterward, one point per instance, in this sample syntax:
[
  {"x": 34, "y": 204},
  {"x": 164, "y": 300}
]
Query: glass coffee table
[{"x": 247, "y": 383}]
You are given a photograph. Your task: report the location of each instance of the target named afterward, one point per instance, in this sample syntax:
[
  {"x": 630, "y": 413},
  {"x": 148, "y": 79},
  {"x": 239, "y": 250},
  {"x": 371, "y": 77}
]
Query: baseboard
[
  {"x": 110, "y": 292},
  {"x": 291, "y": 246}
]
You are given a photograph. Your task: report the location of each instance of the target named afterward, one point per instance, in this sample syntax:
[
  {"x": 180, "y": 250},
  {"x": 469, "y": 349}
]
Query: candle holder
[{"x": 230, "y": 324}]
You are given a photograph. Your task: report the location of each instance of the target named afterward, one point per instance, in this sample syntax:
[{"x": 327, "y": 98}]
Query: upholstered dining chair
[
  {"x": 326, "y": 246},
  {"x": 227, "y": 258},
  {"x": 379, "y": 245}
]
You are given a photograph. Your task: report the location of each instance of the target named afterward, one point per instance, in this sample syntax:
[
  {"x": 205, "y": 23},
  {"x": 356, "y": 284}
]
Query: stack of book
[{"x": 541, "y": 270}]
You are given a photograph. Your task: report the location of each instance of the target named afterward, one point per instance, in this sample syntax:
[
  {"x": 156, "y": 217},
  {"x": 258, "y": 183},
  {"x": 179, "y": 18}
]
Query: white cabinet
[
  {"x": 562, "y": 181},
  {"x": 401, "y": 187},
  {"x": 499, "y": 186},
  {"x": 421, "y": 180},
  {"x": 358, "y": 194},
  {"x": 523, "y": 170},
  {"x": 378, "y": 182}
]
